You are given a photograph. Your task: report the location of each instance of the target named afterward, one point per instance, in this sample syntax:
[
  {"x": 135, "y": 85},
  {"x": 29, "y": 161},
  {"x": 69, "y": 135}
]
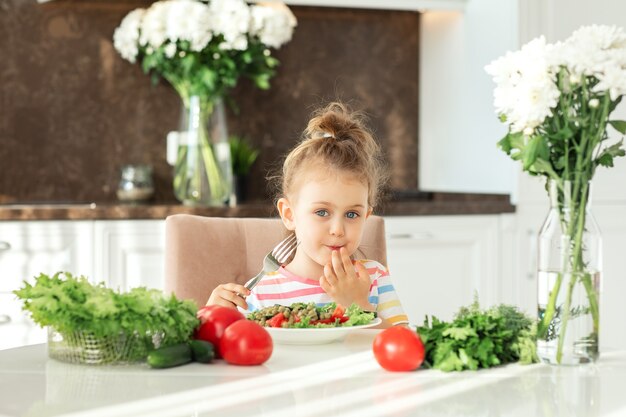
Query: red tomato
[
  {"x": 246, "y": 342},
  {"x": 331, "y": 320},
  {"x": 201, "y": 314},
  {"x": 399, "y": 349},
  {"x": 213, "y": 322},
  {"x": 339, "y": 312},
  {"x": 277, "y": 320}
]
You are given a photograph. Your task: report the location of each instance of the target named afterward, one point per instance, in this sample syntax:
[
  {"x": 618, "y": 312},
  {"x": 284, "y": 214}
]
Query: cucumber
[
  {"x": 202, "y": 351},
  {"x": 169, "y": 356}
]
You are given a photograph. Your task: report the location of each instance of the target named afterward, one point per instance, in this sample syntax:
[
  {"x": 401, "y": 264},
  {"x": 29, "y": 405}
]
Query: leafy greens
[
  {"x": 69, "y": 304},
  {"x": 479, "y": 339}
]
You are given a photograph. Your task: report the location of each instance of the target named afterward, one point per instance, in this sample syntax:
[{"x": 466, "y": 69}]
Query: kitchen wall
[{"x": 72, "y": 112}]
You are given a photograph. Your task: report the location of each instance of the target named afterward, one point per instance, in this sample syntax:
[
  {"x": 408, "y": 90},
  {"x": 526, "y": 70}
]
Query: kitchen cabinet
[
  {"x": 130, "y": 253},
  {"x": 123, "y": 254},
  {"x": 438, "y": 263},
  {"x": 28, "y": 249}
]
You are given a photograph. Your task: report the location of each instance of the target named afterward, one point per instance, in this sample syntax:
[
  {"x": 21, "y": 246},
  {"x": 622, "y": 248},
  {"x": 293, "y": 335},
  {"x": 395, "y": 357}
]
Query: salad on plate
[{"x": 309, "y": 315}]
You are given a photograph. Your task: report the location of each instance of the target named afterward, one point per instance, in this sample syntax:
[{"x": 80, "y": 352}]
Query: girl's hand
[
  {"x": 344, "y": 283},
  {"x": 228, "y": 295}
]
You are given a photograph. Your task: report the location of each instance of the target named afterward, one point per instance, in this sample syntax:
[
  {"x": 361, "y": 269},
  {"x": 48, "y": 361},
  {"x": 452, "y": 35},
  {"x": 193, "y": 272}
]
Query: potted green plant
[{"x": 243, "y": 156}]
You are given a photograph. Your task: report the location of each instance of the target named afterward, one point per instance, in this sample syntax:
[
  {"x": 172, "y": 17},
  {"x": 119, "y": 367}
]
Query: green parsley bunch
[{"x": 479, "y": 339}]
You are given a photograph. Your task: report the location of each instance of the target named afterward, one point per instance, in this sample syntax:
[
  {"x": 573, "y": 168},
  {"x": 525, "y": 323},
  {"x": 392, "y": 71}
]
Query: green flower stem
[
  {"x": 185, "y": 181},
  {"x": 579, "y": 221},
  {"x": 544, "y": 324},
  {"x": 574, "y": 222},
  {"x": 214, "y": 176},
  {"x": 180, "y": 167}
]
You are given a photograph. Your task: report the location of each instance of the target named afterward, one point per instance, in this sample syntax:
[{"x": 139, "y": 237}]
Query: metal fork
[{"x": 275, "y": 258}]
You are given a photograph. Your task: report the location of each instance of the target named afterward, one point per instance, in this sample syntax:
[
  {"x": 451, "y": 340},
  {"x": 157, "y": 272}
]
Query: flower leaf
[
  {"x": 619, "y": 125},
  {"x": 533, "y": 148},
  {"x": 606, "y": 157},
  {"x": 511, "y": 141}
]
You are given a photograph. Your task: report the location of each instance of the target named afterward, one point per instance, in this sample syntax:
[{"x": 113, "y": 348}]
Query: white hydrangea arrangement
[{"x": 201, "y": 47}]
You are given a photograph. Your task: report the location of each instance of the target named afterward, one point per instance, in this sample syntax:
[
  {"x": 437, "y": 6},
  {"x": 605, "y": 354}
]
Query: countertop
[
  {"x": 432, "y": 204},
  {"x": 339, "y": 379}
]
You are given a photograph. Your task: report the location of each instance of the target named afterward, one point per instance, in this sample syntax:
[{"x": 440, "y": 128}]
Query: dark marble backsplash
[{"x": 72, "y": 111}]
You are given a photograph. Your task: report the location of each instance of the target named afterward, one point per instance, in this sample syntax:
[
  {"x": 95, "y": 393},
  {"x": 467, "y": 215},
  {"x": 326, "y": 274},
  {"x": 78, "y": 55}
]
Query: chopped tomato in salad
[{"x": 305, "y": 315}]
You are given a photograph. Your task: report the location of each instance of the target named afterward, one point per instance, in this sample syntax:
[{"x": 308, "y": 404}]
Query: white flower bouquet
[
  {"x": 202, "y": 47},
  {"x": 557, "y": 100}
]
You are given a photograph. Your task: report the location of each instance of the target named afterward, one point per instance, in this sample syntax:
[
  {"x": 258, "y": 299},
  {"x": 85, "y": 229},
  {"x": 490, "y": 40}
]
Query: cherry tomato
[
  {"x": 398, "y": 349},
  {"x": 213, "y": 322},
  {"x": 246, "y": 342}
]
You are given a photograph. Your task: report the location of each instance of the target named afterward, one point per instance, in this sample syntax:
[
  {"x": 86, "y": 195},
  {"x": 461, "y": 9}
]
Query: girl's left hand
[{"x": 344, "y": 283}]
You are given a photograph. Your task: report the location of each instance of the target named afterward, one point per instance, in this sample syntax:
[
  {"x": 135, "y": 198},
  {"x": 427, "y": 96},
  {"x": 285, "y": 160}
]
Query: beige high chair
[{"x": 203, "y": 252}]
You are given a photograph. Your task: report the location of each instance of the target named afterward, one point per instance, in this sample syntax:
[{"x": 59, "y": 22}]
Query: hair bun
[
  {"x": 337, "y": 138},
  {"x": 333, "y": 121}
]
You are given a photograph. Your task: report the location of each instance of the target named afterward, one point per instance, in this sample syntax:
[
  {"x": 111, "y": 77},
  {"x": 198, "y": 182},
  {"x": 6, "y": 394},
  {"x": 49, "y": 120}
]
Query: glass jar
[
  {"x": 136, "y": 183},
  {"x": 568, "y": 278}
]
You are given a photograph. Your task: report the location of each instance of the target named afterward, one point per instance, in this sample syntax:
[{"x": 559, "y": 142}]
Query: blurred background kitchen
[{"x": 73, "y": 113}]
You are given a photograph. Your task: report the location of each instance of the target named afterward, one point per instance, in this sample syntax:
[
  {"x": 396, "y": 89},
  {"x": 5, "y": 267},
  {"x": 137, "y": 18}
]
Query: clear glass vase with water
[
  {"x": 203, "y": 170},
  {"x": 569, "y": 277}
]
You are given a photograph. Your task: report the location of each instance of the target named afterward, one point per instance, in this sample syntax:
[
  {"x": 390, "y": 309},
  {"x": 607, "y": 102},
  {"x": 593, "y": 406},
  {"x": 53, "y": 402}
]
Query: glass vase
[
  {"x": 569, "y": 274},
  {"x": 203, "y": 171}
]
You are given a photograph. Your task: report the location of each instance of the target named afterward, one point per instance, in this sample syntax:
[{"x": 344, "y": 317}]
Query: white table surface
[{"x": 340, "y": 379}]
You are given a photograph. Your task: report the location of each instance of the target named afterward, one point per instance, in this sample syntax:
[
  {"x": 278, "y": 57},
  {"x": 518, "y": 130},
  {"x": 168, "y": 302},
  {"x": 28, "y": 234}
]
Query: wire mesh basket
[{"x": 85, "y": 348}]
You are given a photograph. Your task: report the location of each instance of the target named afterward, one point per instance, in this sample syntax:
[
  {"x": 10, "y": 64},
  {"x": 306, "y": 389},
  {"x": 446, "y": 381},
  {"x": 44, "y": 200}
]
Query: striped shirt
[{"x": 284, "y": 288}]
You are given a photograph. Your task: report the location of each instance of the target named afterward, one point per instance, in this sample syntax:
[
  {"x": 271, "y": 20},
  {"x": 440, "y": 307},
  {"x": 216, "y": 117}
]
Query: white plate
[{"x": 314, "y": 336}]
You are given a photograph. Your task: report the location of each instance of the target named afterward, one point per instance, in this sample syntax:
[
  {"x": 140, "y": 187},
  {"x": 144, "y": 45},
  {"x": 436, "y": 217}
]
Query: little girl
[{"x": 329, "y": 185}]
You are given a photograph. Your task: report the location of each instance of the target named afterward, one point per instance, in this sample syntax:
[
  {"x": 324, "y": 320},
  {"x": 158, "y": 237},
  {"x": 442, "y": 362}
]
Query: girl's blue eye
[
  {"x": 322, "y": 213},
  {"x": 352, "y": 215}
]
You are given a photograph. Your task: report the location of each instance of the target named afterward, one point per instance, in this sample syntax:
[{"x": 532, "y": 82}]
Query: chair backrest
[{"x": 203, "y": 252}]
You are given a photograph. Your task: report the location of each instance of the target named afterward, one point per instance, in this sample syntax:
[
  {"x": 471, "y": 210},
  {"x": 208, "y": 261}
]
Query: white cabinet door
[
  {"x": 519, "y": 256},
  {"x": 438, "y": 263},
  {"x": 28, "y": 249},
  {"x": 130, "y": 253}
]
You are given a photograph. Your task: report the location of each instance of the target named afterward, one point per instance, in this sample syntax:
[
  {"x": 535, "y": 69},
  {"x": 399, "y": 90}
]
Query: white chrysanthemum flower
[
  {"x": 592, "y": 49},
  {"x": 231, "y": 18},
  {"x": 126, "y": 35},
  {"x": 599, "y": 37},
  {"x": 272, "y": 23},
  {"x": 613, "y": 80},
  {"x": 154, "y": 25},
  {"x": 532, "y": 102},
  {"x": 525, "y": 91},
  {"x": 189, "y": 20}
]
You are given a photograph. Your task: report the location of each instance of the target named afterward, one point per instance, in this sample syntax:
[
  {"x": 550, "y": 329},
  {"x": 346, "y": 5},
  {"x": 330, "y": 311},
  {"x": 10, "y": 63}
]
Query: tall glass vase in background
[
  {"x": 203, "y": 171},
  {"x": 569, "y": 273}
]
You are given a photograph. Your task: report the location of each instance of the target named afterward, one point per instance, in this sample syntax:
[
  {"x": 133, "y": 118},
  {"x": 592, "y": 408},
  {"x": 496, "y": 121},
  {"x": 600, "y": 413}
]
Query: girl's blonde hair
[{"x": 336, "y": 139}]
